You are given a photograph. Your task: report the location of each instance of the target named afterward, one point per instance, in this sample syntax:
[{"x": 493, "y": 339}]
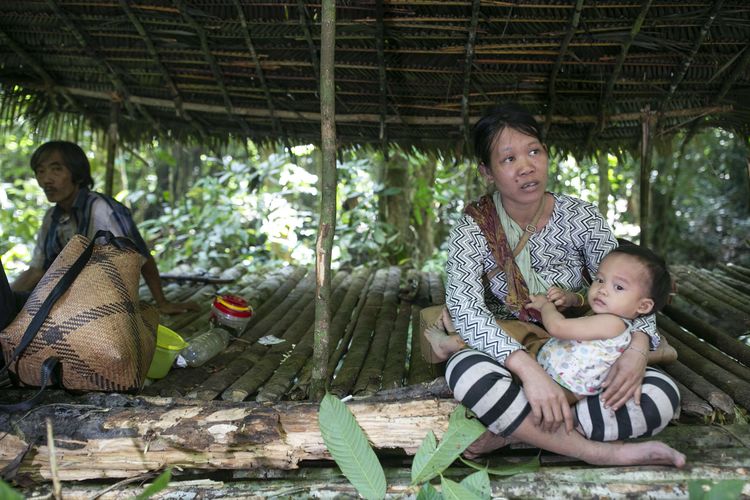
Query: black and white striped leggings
[{"x": 483, "y": 385}]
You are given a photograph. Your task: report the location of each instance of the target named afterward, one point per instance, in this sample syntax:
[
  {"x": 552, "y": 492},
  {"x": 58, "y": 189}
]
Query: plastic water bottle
[{"x": 205, "y": 346}]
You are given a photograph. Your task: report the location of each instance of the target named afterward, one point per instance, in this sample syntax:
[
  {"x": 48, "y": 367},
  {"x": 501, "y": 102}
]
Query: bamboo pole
[
  {"x": 705, "y": 349},
  {"x": 722, "y": 340},
  {"x": 112, "y": 137},
  {"x": 701, "y": 387},
  {"x": 284, "y": 377},
  {"x": 395, "y": 368},
  {"x": 648, "y": 121},
  {"x": 361, "y": 337},
  {"x": 327, "y": 226}
]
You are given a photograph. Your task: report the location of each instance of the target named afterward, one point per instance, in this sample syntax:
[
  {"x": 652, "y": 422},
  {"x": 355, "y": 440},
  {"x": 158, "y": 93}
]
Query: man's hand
[{"x": 171, "y": 308}]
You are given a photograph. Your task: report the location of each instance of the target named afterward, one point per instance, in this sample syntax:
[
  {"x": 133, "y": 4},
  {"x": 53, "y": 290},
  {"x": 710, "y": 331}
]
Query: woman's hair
[
  {"x": 73, "y": 156},
  {"x": 656, "y": 267},
  {"x": 497, "y": 119}
]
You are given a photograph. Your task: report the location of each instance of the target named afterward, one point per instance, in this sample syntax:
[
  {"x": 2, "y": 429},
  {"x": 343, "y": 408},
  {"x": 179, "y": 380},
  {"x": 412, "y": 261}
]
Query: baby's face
[{"x": 621, "y": 287}]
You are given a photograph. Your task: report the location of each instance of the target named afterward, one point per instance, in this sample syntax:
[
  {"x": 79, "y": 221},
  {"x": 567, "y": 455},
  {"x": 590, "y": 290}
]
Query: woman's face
[{"x": 518, "y": 167}]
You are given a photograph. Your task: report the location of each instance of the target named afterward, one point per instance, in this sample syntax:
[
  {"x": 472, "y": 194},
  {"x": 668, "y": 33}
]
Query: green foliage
[
  {"x": 348, "y": 446},
  {"x": 432, "y": 459},
  {"x": 457, "y": 491},
  {"x": 708, "y": 489},
  {"x": 8, "y": 493},
  {"x": 478, "y": 483},
  {"x": 506, "y": 470},
  {"x": 159, "y": 484}
]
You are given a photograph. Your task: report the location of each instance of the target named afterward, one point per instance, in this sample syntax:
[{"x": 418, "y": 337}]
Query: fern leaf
[
  {"x": 462, "y": 431},
  {"x": 350, "y": 449}
]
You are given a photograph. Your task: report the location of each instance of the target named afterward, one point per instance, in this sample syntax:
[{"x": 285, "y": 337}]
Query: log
[
  {"x": 720, "y": 339},
  {"x": 123, "y": 437},
  {"x": 711, "y": 304}
]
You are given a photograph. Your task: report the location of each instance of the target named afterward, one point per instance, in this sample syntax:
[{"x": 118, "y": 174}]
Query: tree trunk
[
  {"x": 604, "y": 187},
  {"x": 397, "y": 204},
  {"x": 648, "y": 121},
  {"x": 327, "y": 225}
]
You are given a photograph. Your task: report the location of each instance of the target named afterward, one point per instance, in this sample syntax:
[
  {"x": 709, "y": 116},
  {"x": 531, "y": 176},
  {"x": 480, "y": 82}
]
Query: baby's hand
[
  {"x": 537, "y": 302},
  {"x": 558, "y": 297}
]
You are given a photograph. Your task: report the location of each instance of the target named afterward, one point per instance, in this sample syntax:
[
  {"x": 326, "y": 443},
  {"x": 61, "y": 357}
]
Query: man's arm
[
  {"x": 153, "y": 281},
  {"x": 27, "y": 280}
]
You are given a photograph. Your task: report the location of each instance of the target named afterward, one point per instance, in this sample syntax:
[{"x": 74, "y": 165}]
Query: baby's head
[{"x": 637, "y": 270}]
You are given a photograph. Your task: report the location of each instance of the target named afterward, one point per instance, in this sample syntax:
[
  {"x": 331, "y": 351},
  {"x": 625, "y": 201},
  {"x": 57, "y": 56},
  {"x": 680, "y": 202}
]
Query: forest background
[{"x": 210, "y": 207}]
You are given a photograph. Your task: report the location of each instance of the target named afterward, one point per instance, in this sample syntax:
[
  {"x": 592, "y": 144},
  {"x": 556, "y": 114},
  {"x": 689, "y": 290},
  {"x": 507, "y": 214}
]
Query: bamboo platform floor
[{"x": 374, "y": 352}]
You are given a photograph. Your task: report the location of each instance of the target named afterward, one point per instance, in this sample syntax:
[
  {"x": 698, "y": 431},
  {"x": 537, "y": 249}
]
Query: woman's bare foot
[
  {"x": 486, "y": 443},
  {"x": 442, "y": 344},
  {"x": 645, "y": 453},
  {"x": 664, "y": 354}
]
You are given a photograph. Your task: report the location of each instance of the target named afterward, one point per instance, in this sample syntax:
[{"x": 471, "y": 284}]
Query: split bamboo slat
[
  {"x": 396, "y": 362},
  {"x": 370, "y": 379},
  {"x": 273, "y": 287},
  {"x": 269, "y": 360},
  {"x": 718, "y": 338},
  {"x": 346, "y": 376},
  {"x": 728, "y": 382},
  {"x": 284, "y": 376},
  {"x": 705, "y": 349},
  {"x": 275, "y": 324}
]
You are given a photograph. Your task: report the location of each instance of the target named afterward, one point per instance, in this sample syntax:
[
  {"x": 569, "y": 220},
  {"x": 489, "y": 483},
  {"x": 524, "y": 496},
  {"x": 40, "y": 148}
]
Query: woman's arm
[
  {"x": 475, "y": 323},
  {"x": 549, "y": 406},
  {"x": 626, "y": 375}
]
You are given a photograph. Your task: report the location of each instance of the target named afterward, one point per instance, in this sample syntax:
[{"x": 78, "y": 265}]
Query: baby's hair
[{"x": 661, "y": 281}]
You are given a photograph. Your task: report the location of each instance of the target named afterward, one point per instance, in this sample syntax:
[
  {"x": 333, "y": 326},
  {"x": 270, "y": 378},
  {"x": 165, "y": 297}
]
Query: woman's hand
[
  {"x": 549, "y": 407},
  {"x": 626, "y": 375}
]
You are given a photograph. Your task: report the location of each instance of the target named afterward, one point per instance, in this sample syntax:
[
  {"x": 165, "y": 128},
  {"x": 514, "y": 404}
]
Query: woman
[{"x": 566, "y": 238}]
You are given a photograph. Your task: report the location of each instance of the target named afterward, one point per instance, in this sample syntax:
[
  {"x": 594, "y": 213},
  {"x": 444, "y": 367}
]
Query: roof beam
[
  {"x": 468, "y": 64},
  {"x": 375, "y": 118},
  {"x": 106, "y": 68},
  {"x": 184, "y": 12},
  {"x": 258, "y": 69},
  {"x": 176, "y": 96},
  {"x": 49, "y": 82},
  {"x": 687, "y": 61},
  {"x": 574, "y": 21},
  {"x": 634, "y": 30}
]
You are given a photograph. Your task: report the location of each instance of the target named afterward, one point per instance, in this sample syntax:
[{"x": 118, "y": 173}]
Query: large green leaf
[
  {"x": 431, "y": 460},
  {"x": 7, "y": 492},
  {"x": 706, "y": 489},
  {"x": 453, "y": 490},
  {"x": 506, "y": 470},
  {"x": 428, "y": 492},
  {"x": 479, "y": 484},
  {"x": 350, "y": 449}
]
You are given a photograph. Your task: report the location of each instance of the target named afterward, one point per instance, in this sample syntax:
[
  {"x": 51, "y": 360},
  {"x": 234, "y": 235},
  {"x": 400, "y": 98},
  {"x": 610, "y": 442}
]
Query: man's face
[{"x": 56, "y": 180}]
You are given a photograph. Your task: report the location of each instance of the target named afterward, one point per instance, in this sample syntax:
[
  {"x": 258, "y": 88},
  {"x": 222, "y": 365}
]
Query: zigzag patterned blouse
[{"x": 575, "y": 238}]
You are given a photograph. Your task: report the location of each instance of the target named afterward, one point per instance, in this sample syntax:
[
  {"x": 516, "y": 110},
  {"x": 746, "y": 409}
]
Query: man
[{"x": 63, "y": 172}]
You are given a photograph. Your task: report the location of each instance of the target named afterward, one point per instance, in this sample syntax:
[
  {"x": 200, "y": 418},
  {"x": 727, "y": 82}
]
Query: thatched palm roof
[{"x": 407, "y": 71}]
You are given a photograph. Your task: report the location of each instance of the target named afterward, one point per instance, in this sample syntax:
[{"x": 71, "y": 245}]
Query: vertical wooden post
[
  {"x": 648, "y": 120},
  {"x": 327, "y": 183},
  {"x": 603, "y": 162},
  {"x": 112, "y": 136}
]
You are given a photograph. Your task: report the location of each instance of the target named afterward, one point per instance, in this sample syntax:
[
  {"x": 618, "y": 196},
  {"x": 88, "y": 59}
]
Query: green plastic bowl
[{"x": 168, "y": 345}]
